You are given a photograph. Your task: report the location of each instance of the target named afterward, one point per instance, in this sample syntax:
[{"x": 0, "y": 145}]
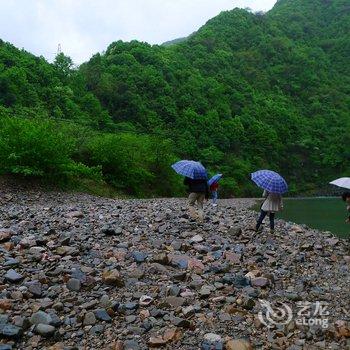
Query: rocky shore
[{"x": 82, "y": 272}]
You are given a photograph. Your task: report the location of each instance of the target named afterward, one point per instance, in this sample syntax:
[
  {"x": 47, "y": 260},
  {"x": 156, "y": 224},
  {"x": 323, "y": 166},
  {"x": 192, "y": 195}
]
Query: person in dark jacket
[
  {"x": 198, "y": 192},
  {"x": 346, "y": 199}
]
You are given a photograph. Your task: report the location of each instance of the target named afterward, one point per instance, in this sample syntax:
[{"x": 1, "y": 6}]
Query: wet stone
[
  {"x": 130, "y": 319},
  {"x": 56, "y": 321},
  {"x": 197, "y": 239},
  {"x": 180, "y": 322},
  {"x": 131, "y": 345},
  {"x": 21, "y": 322},
  {"x": 212, "y": 341},
  {"x": 3, "y": 319},
  {"x": 259, "y": 282},
  {"x": 188, "y": 311},
  {"x": 6, "y": 347},
  {"x": 139, "y": 257},
  {"x": 40, "y": 317},
  {"x": 105, "y": 301},
  {"x": 11, "y": 262},
  {"x": 35, "y": 289},
  {"x": 174, "y": 291},
  {"x": 10, "y": 331},
  {"x": 131, "y": 306},
  {"x": 98, "y": 329},
  {"x": 45, "y": 330},
  {"x": 74, "y": 285},
  {"x": 174, "y": 301},
  {"x": 102, "y": 315},
  {"x": 89, "y": 319},
  {"x": 13, "y": 277}
]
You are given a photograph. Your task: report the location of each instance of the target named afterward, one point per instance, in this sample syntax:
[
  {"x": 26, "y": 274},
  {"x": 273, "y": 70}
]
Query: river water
[{"x": 326, "y": 214}]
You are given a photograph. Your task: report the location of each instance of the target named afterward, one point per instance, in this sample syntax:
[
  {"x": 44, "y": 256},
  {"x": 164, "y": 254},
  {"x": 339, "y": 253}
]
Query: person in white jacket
[{"x": 273, "y": 203}]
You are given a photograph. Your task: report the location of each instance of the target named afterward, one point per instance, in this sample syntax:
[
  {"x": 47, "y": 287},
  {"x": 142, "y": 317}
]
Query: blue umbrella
[
  {"x": 270, "y": 181},
  {"x": 191, "y": 169},
  {"x": 216, "y": 178}
]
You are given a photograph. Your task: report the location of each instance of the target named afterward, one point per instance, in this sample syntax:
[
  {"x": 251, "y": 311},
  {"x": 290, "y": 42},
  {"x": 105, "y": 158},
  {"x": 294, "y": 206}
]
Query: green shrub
[
  {"x": 36, "y": 147},
  {"x": 135, "y": 164}
]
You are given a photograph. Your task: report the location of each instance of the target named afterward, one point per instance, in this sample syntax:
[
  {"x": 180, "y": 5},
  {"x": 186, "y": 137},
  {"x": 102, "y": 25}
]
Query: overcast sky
[{"x": 84, "y": 27}]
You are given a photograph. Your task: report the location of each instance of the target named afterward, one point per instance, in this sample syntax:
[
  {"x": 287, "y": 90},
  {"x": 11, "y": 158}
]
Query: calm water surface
[{"x": 326, "y": 214}]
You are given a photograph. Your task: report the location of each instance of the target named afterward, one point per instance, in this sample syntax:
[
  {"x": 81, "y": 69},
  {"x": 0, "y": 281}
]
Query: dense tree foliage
[{"x": 246, "y": 91}]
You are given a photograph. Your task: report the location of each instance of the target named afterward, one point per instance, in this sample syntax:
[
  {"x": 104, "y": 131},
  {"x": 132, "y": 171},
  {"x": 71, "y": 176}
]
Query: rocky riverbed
[{"x": 82, "y": 272}]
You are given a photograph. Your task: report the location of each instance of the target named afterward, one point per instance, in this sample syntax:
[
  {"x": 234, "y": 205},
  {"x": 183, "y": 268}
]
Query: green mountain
[
  {"x": 246, "y": 91},
  {"x": 174, "y": 41}
]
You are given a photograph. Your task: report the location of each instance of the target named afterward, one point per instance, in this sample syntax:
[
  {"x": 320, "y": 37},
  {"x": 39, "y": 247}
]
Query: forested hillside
[{"x": 246, "y": 91}]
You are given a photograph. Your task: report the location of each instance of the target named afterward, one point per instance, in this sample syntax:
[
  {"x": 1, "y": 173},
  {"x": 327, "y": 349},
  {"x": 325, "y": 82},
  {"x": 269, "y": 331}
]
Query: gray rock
[
  {"x": 188, "y": 311},
  {"x": 4, "y": 319},
  {"x": 89, "y": 319},
  {"x": 64, "y": 239},
  {"x": 40, "y": 317},
  {"x": 56, "y": 321},
  {"x": 205, "y": 292},
  {"x": 13, "y": 277},
  {"x": 235, "y": 231},
  {"x": 259, "y": 282},
  {"x": 11, "y": 262},
  {"x": 130, "y": 319},
  {"x": 224, "y": 317},
  {"x": 10, "y": 331},
  {"x": 174, "y": 301},
  {"x": 6, "y": 347},
  {"x": 212, "y": 341},
  {"x": 105, "y": 301},
  {"x": 22, "y": 322},
  {"x": 102, "y": 315},
  {"x": 174, "y": 291},
  {"x": 139, "y": 257},
  {"x": 35, "y": 289},
  {"x": 98, "y": 329},
  {"x": 197, "y": 239},
  {"x": 45, "y": 330},
  {"x": 130, "y": 306},
  {"x": 180, "y": 322},
  {"x": 74, "y": 284},
  {"x": 131, "y": 345}
]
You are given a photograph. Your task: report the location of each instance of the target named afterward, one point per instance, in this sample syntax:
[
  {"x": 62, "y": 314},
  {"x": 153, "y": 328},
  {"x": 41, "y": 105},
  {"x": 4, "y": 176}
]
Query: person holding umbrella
[
  {"x": 273, "y": 185},
  {"x": 346, "y": 199},
  {"x": 344, "y": 182},
  {"x": 213, "y": 187},
  {"x": 196, "y": 180}
]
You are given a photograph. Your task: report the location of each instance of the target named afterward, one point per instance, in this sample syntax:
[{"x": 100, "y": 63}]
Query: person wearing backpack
[{"x": 198, "y": 192}]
